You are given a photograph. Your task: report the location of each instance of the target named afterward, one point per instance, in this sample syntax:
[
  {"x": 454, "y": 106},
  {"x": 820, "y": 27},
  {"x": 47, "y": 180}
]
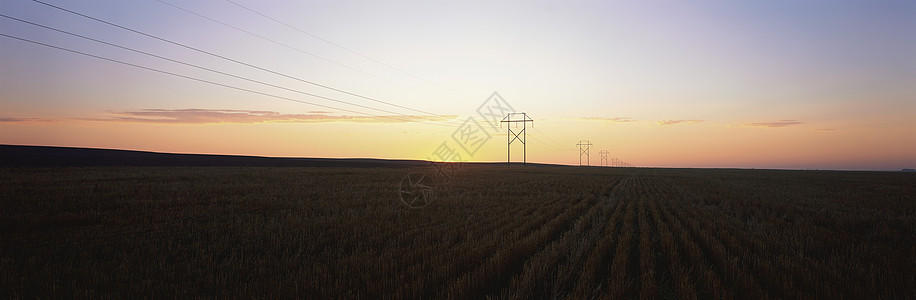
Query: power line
[
  {"x": 225, "y": 85},
  {"x": 197, "y": 66},
  {"x": 342, "y": 47},
  {"x": 193, "y": 78},
  {"x": 551, "y": 139},
  {"x": 297, "y": 49},
  {"x": 232, "y": 60},
  {"x": 545, "y": 145}
]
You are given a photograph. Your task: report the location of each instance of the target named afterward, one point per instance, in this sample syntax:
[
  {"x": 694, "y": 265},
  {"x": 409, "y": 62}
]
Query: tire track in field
[
  {"x": 508, "y": 229},
  {"x": 778, "y": 271},
  {"x": 714, "y": 236},
  {"x": 596, "y": 263},
  {"x": 499, "y": 268},
  {"x": 673, "y": 266},
  {"x": 619, "y": 282},
  {"x": 454, "y": 260},
  {"x": 648, "y": 286},
  {"x": 663, "y": 250},
  {"x": 428, "y": 256},
  {"x": 571, "y": 271},
  {"x": 548, "y": 272},
  {"x": 701, "y": 274}
]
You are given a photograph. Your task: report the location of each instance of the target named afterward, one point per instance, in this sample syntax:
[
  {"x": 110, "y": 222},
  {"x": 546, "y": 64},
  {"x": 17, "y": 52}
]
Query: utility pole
[
  {"x": 603, "y": 158},
  {"x": 512, "y": 135},
  {"x": 582, "y": 150}
]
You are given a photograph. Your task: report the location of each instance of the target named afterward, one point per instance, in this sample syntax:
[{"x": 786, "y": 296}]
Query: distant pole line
[
  {"x": 523, "y": 139},
  {"x": 603, "y": 157},
  {"x": 230, "y": 59}
]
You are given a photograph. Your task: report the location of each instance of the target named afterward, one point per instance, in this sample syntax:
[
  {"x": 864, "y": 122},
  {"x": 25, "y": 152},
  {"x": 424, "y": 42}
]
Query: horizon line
[{"x": 902, "y": 169}]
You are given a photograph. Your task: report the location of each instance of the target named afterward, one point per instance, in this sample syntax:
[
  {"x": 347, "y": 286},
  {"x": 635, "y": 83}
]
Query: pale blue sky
[{"x": 827, "y": 64}]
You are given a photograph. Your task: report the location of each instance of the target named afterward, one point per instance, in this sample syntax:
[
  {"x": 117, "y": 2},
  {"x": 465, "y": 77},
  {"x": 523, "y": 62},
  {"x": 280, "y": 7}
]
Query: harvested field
[{"x": 488, "y": 231}]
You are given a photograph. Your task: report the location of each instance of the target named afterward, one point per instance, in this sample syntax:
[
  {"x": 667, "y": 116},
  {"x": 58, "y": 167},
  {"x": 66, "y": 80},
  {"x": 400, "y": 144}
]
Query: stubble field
[{"x": 487, "y": 231}]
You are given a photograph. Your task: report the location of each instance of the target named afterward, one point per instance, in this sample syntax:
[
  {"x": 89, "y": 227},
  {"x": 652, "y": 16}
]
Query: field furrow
[
  {"x": 505, "y": 262},
  {"x": 647, "y": 255},
  {"x": 547, "y": 272},
  {"x": 597, "y": 261},
  {"x": 492, "y": 232},
  {"x": 737, "y": 241},
  {"x": 677, "y": 271},
  {"x": 708, "y": 282},
  {"x": 543, "y": 271},
  {"x": 619, "y": 282}
]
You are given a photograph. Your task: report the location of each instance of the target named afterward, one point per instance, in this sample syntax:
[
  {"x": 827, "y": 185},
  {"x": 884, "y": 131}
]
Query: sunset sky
[{"x": 746, "y": 84}]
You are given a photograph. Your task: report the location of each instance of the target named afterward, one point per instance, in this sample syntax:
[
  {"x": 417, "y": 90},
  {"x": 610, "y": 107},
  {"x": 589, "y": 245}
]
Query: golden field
[{"x": 489, "y": 231}]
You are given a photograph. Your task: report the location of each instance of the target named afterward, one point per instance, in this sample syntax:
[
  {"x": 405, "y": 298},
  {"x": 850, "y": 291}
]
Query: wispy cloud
[
  {"x": 609, "y": 120},
  {"x": 782, "y": 123},
  {"x": 217, "y": 116},
  {"x": 24, "y": 120},
  {"x": 674, "y": 122}
]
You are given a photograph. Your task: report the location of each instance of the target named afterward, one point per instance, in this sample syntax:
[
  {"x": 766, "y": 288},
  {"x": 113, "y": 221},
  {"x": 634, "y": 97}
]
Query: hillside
[{"x": 43, "y": 156}]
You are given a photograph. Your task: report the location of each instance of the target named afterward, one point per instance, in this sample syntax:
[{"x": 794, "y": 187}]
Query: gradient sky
[{"x": 747, "y": 84}]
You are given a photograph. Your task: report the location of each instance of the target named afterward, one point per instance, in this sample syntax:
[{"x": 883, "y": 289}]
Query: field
[{"x": 487, "y": 231}]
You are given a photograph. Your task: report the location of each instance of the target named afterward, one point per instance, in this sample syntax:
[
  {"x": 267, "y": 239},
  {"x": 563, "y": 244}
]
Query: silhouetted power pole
[
  {"x": 586, "y": 145},
  {"x": 512, "y": 135},
  {"x": 603, "y": 157}
]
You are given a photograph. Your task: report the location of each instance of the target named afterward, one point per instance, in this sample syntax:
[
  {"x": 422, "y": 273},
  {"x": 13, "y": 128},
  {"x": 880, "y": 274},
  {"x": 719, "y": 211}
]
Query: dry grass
[{"x": 544, "y": 232}]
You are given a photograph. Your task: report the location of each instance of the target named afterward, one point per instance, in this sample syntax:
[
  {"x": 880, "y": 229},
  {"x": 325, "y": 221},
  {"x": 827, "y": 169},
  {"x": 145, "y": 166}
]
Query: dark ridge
[{"x": 45, "y": 156}]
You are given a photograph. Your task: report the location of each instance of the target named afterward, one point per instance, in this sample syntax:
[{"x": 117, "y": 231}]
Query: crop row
[{"x": 492, "y": 232}]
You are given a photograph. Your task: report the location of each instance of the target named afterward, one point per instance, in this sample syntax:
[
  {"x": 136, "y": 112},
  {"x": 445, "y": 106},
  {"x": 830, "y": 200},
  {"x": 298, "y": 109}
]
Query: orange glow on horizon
[{"x": 641, "y": 144}]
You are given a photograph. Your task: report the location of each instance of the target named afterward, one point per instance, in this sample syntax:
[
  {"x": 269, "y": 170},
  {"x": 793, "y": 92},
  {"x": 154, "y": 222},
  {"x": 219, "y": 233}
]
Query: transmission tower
[
  {"x": 586, "y": 145},
  {"x": 512, "y": 135},
  {"x": 603, "y": 157}
]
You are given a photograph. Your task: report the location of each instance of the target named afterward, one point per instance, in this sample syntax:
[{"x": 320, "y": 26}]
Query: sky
[{"x": 738, "y": 84}]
